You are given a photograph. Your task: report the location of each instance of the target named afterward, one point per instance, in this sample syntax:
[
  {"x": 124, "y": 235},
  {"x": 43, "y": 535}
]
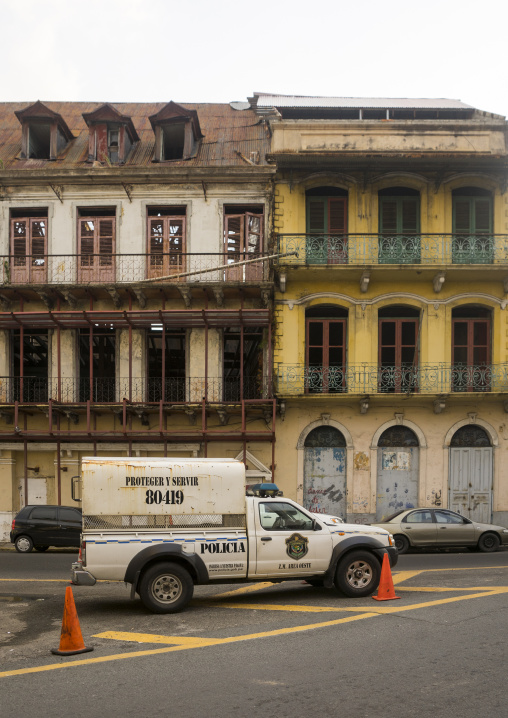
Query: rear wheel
[
  {"x": 166, "y": 588},
  {"x": 358, "y": 574},
  {"x": 488, "y": 542},
  {"x": 23, "y": 544},
  {"x": 401, "y": 543}
]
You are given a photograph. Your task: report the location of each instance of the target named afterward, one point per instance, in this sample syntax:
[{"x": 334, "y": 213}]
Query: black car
[{"x": 43, "y": 526}]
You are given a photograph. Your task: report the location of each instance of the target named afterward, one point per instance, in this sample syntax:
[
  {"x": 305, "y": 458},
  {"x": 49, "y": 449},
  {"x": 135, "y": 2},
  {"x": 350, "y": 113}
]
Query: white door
[
  {"x": 286, "y": 545},
  {"x": 471, "y": 482},
  {"x": 37, "y": 491}
]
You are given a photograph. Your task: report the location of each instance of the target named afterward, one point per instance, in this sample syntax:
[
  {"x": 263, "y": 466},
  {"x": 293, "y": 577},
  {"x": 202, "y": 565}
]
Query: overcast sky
[{"x": 224, "y": 50}]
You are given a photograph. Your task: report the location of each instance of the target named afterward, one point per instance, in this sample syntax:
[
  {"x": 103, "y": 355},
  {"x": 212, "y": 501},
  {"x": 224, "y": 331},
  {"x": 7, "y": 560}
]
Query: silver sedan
[{"x": 440, "y": 528}]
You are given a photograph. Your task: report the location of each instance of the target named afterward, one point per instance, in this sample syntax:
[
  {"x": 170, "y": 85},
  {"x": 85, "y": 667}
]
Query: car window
[
  {"x": 44, "y": 512},
  {"x": 419, "y": 517},
  {"x": 443, "y": 517},
  {"x": 281, "y": 516},
  {"x": 69, "y": 514}
]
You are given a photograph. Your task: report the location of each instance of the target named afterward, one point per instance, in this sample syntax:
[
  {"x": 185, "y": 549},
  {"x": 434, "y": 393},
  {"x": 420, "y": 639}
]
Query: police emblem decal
[{"x": 297, "y": 546}]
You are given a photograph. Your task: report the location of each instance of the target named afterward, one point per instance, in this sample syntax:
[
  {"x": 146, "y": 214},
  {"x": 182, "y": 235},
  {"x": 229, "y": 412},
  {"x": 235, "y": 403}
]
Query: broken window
[
  {"x": 243, "y": 364},
  {"x": 97, "y": 356},
  {"x": 399, "y": 226},
  {"x": 173, "y": 141},
  {"x": 166, "y": 241},
  {"x": 96, "y": 245},
  {"x": 45, "y": 132},
  {"x": 326, "y": 225},
  {"x": 30, "y": 365},
  {"x": 28, "y": 245},
  {"x": 243, "y": 240},
  {"x": 39, "y": 136},
  {"x": 166, "y": 364},
  {"x": 111, "y": 135}
]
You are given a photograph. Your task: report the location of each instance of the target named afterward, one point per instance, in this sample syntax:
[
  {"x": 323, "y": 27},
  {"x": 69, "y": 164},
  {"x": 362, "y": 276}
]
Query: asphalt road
[{"x": 256, "y": 650}]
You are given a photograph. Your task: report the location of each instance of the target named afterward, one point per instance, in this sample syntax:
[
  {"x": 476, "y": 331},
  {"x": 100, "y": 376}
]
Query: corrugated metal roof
[
  {"x": 227, "y": 132},
  {"x": 266, "y": 100}
]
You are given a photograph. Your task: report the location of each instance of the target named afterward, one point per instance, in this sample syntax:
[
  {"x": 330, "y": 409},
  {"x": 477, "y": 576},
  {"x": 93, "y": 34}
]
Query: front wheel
[
  {"x": 166, "y": 588},
  {"x": 401, "y": 543},
  {"x": 357, "y": 574},
  {"x": 23, "y": 544},
  {"x": 488, "y": 543}
]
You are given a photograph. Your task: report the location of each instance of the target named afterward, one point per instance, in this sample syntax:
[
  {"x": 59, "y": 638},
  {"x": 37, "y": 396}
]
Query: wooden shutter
[
  {"x": 483, "y": 215},
  {"x": 106, "y": 241},
  {"x": 462, "y": 215},
  {"x": 388, "y": 216},
  {"x": 38, "y": 237},
  {"x": 409, "y": 215},
  {"x": 254, "y": 224},
  {"x": 337, "y": 215},
  {"x": 86, "y": 241},
  {"x": 19, "y": 241}
]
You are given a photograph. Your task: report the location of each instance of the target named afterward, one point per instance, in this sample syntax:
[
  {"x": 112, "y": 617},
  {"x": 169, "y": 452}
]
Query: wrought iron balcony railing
[
  {"x": 108, "y": 390},
  {"x": 60, "y": 269},
  {"x": 373, "y": 249},
  {"x": 297, "y": 379}
]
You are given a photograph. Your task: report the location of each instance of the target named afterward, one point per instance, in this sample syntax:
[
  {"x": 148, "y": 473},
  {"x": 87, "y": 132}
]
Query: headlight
[
  {"x": 505, "y": 531},
  {"x": 391, "y": 540}
]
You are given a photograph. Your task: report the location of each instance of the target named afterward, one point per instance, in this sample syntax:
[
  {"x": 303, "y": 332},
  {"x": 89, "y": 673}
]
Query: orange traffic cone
[
  {"x": 71, "y": 640},
  {"x": 385, "y": 591}
]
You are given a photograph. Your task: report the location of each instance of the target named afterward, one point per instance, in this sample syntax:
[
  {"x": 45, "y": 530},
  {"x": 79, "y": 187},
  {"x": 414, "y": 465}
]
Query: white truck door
[{"x": 286, "y": 544}]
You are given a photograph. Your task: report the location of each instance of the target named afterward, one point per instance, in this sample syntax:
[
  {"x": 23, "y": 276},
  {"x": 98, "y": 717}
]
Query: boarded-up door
[
  {"x": 397, "y": 471},
  {"x": 324, "y": 483},
  {"x": 470, "y": 489},
  {"x": 37, "y": 491}
]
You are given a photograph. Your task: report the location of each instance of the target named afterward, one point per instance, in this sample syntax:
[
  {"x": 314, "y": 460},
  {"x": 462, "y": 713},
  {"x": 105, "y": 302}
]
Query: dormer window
[
  {"x": 177, "y": 133},
  {"x": 112, "y": 135},
  {"x": 45, "y": 133}
]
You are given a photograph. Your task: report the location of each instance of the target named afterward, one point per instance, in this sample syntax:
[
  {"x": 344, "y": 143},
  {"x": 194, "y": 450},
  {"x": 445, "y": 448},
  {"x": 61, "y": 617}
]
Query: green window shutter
[
  {"x": 388, "y": 216},
  {"x": 409, "y": 211},
  {"x": 461, "y": 215},
  {"x": 337, "y": 216},
  {"x": 316, "y": 217},
  {"x": 483, "y": 214}
]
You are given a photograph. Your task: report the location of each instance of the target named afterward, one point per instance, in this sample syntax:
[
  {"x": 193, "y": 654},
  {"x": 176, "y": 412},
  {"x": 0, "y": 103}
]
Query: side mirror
[
  {"x": 315, "y": 525},
  {"x": 75, "y": 480}
]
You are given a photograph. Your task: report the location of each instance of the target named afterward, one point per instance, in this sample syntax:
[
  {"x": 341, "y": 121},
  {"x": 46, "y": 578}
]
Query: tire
[
  {"x": 357, "y": 574},
  {"x": 402, "y": 543},
  {"x": 489, "y": 542},
  {"x": 23, "y": 544},
  {"x": 41, "y": 548},
  {"x": 166, "y": 588}
]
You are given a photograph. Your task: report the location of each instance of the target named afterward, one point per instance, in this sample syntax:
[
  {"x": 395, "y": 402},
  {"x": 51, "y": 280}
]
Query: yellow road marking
[
  {"x": 404, "y": 576},
  {"x": 54, "y": 580},
  {"x": 153, "y": 638},
  {"x": 243, "y": 589}
]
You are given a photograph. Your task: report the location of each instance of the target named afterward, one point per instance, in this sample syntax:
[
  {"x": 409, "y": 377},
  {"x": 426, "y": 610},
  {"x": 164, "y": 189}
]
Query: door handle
[
  {"x": 442, "y": 527},
  {"x": 266, "y": 538}
]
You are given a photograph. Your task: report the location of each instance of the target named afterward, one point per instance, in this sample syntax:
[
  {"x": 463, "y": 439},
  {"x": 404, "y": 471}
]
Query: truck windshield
[{"x": 282, "y": 516}]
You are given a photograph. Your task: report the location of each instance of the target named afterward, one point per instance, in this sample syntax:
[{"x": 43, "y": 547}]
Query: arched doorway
[
  {"x": 470, "y": 485},
  {"x": 324, "y": 478},
  {"x": 397, "y": 471}
]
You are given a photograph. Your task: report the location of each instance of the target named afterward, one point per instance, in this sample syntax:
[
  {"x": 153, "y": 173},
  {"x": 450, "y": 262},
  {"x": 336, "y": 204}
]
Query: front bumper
[{"x": 80, "y": 577}]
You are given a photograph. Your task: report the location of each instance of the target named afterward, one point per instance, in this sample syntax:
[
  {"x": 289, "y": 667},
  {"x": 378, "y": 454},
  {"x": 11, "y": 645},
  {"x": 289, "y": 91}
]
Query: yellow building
[{"x": 391, "y": 339}]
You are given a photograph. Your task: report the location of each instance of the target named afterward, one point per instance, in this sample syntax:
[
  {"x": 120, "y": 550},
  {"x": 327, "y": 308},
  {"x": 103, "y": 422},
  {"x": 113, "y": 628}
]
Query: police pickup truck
[{"x": 166, "y": 525}]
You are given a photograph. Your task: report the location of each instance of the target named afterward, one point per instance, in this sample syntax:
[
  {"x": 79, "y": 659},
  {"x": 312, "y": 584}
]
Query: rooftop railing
[
  {"x": 378, "y": 249},
  {"x": 84, "y": 269},
  {"x": 298, "y": 380},
  {"x": 110, "y": 390}
]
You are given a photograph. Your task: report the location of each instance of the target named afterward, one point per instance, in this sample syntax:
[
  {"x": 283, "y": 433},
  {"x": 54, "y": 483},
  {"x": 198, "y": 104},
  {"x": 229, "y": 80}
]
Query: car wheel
[
  {"x": 23, "y": 544},
  {"x": 41, "y": 548},
  {"x": 488, "y": 542},
  {"x": 358, "y": 574},
  {"x": 402, "y": 543},
  {"x": 166, "y": 588}
]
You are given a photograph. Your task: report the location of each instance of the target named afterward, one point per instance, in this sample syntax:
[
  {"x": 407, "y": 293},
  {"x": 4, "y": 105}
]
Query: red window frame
[
  {"x": 166, "y": 249},
  {"x": 321, "y": 381},
  {"x": 465, "y": 380},
  {"x": 403, "y": 376},
  {"x": 29, "y": 250},
  {"x": 96, "y": 248}
]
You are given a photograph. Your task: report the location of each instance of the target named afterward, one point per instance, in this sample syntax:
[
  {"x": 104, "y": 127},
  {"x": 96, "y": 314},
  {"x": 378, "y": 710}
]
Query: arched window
[
  {"x": 398, "y": 436},
  {"x": 398, "y": 349},
  {"x": 399, "y": 226},
  {"x": 472, "y": 226},
  {"x": 326, "y": 212},
  {"x": 326, "y": 328},
  {"x": 325, "y": 437},
  {"x": 470, "y": 435}
]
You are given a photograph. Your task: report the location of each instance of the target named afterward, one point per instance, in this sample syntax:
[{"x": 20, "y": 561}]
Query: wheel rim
[
  {"x": 23, "y": 544},
  {"x": 489, "y": 541},
  {"x": 400, "y": 544},
  {"x": 359, "y": 574},
  {"x": 166, "y": 588}
]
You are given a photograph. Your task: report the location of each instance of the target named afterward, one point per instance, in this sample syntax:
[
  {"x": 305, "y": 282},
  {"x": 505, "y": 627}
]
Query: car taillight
[{"x": 13, "y": 524}]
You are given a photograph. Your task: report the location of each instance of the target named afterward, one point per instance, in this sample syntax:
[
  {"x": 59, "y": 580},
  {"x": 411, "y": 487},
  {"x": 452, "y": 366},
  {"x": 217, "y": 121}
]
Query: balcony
[
  {"x": 362, "y": 379},
  {"x": 151, "y": 390},
  {"x": 359, "y": 250},
  {"x": 86, "y": 269}
]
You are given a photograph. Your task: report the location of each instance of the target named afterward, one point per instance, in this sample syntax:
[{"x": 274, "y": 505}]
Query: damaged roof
[
  {"x": 269, "y": 100},
  {"x": 232, "y": 137}
]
